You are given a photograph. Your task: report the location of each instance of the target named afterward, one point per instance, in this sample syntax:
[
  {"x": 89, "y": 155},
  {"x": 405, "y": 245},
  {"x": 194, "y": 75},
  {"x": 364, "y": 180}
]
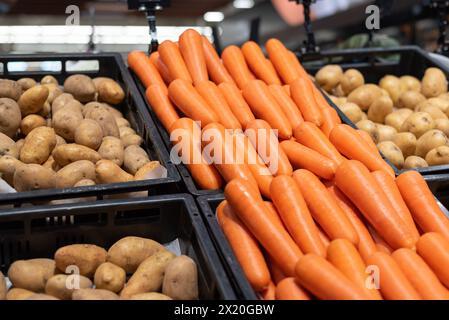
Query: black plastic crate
[
  {"x": 133, "y": 108},
  {"x": 38, "y": 232}
]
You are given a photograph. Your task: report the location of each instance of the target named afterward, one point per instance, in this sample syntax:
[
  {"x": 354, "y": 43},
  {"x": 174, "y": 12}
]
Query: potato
[
  {"x": 108, "y": 172},
  {"x": 10, "y": 89},
  {"x": 132, "y": 139},
  {"x": 89, "y": 133},
  {"x": 51, "y": 164},
  {"x": 94, "y": 294},
  {"x": 8, "y": 146},
  {"x": 392, "y": 85},
  {"x": 66, "y": 120},
  {"x": 430, "y": 140},
  {"x": 442, "y": 125},
  {"x": 3, "y": 288},
  {"x": 150, "y": 296},
  {"x": 49, "y": 79},
  {"x": 392, "y": 153},
  {"x": 45, "y": 111},
  {"x": 18, "y": 294},
  {"x": 329, "y": 76},
  {"x": 126, "y": 131},
  {"x": 62, "y": 286},
  {"x": 32, "y": 100},
  {"x": 397, "y": 118},
  {"x": 409, "y": 83},
  {"x": 181, "y": 279},
  {"x": 352, "y": 111},
  {"x": 406, "y": 141},
  {"x": 129, "y": 252},
  {"x": 28, "y": 177},
  {"x": 111, "y": 148},
  {"x": 81, "y": 87},
  {"x": 26, "y": 83},
  {"x": 110, "y": 277},
  {"x": 74, "y": 172},
  {"x": 54, "y": 91},
  {"x": 338, "y": 100},
  {"x": 10, "y": 117},
  {"x": 108, "y": 90},
  {"x": 351, "y": 80},
  {"x": 31, "y": 274},
  {"x": 433, "y": 83},
  {"x": 440, "y": 103},
  {"x": 418, "y": 124},
  {"x": 60, "y": 140},
  {"x": 106, "y": 120},
  {"x": 115, "y": 113},
  {"x": 30, "y": 122},
  {"x": 134, "y": 158},
  {"x": 370, "y": 127},
  {"x": 41, "y": 296},
  {"x": 19, "y": 145},
  {"x": 122, "y": 122},
  {"x": 385, "y": 133},
  {"x": 60, "y": 101},
  {"x": 38, "y": 145},
  {"x": 85, "y": 183},
  {"x": 438, "y": 156},
  {"x": 365, "y": 95},
  {"x": 8, "y": 166},
  {"x": 151, "y": 170},
  {"x": 434, "y": 112},
  {"x": 87, "y": 257},
  {"x": 149, "y": 275},
  {"x": 68, "y": 153},
  {"x": 380, "y": 108},
  {"x": 338, "y": 91},
  {"x": 410, "y": 99}
]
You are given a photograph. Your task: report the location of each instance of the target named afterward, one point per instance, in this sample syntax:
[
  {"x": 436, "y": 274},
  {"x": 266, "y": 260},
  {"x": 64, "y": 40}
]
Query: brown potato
[
  {"x": 122, "y": 122},
  {"x": 406, "y": 141},
  {"x": 434, "y": 83},
  {"x": 62, "y": 286},
  {"x": 329, "y": 77},
  {"x": 72, "y": 173},
  {"x": 181, "y": 279},
  {"x": 115, "y": 113},
  {"x": 18, "y": 294},
  {"x": 409, "y": 83},
  {"x": 87, "y": 257},
  {"x": 51, "y": 164},
  {"x": 108, "y": 90},
  {"x": 8, "y": 166},
  {"x": 370, "y": 127},
  {"x": 108, "y": 172},
  {"x": 54, "y": 92},
  {"x": 106, "y": 120},
  {"x": 19, "y": 145},
  {"x": 94, "y": 294},
  {"x": 379, "y": 109},
  {"x": 338, "y": 91},
  {"x": 32, "y": 100},
  {"x": 111, "y": 148},
  {"x": 81, "y": 87},
  {"x": 68, "y": 153},
  {"x": 443, "y": 125},
  {"x": 85, "y": 183},
  {"x": 150, "y": 296},
  {"x": 410, "y": 99},
  {"x": 31, "y": 274},
  {"x": 134, "y": 158},
  {"x": 8, "y": 146},
  {"x": 110, "y": 277},
  {"x": 438, "y": 156},
  {"x": 132, "y": 140},
  {"x": 60, "y": 101},
  {"x": 3, "y": 288},
  {"x": 397, "y": 118},
  {"x": 434, "y": 112},
  {"x": 49, "y": 79},
  {"x": 38, "y": 145},
  {"x": 393, "y": 86},
  {"x": 9, "y": 117},
  {"x": 45, "y": 111},
  {"x": 418, "y": 124},
  {"x": 430, "y": 140},
  {"x": 41, "y": 296},
  {"x": 365, "y": 95},
  {"x": 66, "y": 120},
  {"x": 26, "y": 83},
  {"x": 31, "y": 122},
  {"x": 89, "y": 134},
  {"x": 352, "y": 111},
  {"x": 151, "y": 170},
  {"x": 10, "y": 89},
  {"x": 392, "y": 153},
  {"x": 440, "y": 103},
  {"x": 385, "y": 133},
  {"x": 126, "y": 131},
  {"x": 28, "y": 177},
  {"x": 60, "y": 140},
  {"x": 351, "y": 80}
]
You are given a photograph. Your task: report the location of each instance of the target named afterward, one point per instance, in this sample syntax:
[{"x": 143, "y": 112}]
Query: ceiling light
[
  {"x": 243, "y": 4},
  {"x": 213, "y": 16}
]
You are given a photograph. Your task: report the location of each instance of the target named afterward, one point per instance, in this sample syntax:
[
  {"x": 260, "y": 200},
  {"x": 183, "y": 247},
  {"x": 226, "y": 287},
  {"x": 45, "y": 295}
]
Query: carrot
[
  {"x": 272, "y": 68},
  {"x": 381, "y": 245},
  {"x": 302, "y": 157},
  {"x": 219, "y": 149},
  {"x": 191, "y": 47},
  {"x": 286, "y": 88},
  {"x": 324, "y": 238},
  {"x": 273, "y": 214},
  {"x": 422, "y": 203},
  {"x": 302, "y": 93},
  {"x": 264, "y": 106},
  {"x": 352, "y": 177},
  {"x": 293, "y": 210},
  {"x": 345, "y": 257},
  {"x": 393, "y": 284},
  {"x": 330, "y": 120},
  {"x": 144, "y": 69},
  {"x": 266, "y": 143},
  {"x": 188, "y": 100},
  {"x": 172, "y": 58},
  {"x": 367, "y": 138},
  {"x": 287, "y": 105},
  {"x": 311, "y": 136},
  {"x": 324, "y": 208},
  {"x": 212, "y": 95},
  {"x": 388, "y": 185},
  {"x": 236, "y": 103},
  {"x": 433, "y": 247},
  {"x": 420, "y": 275},
  {"x": 205, "y": 175},
  {"x": 351, "y": 145},
  {"x": 299, "y": 69},
  {"x": 281, "y": 60},
  {"x": 215, "y": 68},
  {"x": 276, "y": 273},
  {"x": 324, "y": 281},
  {"x": 257, "y": 62},
  {"x": 245, "y": 247},
  {"x": 161, "y": 67},
  {"x": 253, "y": 212},
  {"x": 319, "y": 98},
  {"x": 289, "y": 289},
  {"x": 161, "y": 105},
  {"x": 269, "y": 293},
  {"x": 366, "y": 245},
  {"x": 234, "y": 62}
]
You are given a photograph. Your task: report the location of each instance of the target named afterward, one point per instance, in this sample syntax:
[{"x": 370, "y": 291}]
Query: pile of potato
[
  {"x": 407, "y": 118},
  {"x": 133, "y": 268},
  {"x": 54, "y": 136}
]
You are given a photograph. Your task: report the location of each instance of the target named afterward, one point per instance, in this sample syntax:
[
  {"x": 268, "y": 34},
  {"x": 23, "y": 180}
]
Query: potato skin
[
  {"x": 49, "y": 79},
  {"x": 8, "y": 166},
  {"x": 110, "y": 277},
  {"x": 409, "y": 83},
  {"x": 393, "y": 86},
  {"x": 181, "y": 279},
  {"x": 351, "y": 80},
  {"x": 418, "y": 124},
  {"x": 443, "y": 125},
  {"x": 87, "y": 257},
  {"x": 434, "y": 112},
  {"x": 365, "y": 95},
  {"x": 10, "y": 89},
  {"x": 385, "y": 133},
  {"x": 67, "y": 119},
  {"x": 51, "y": 164},
  {"x": 430, "y": 140},
  {"x": 18, "y": 294},
  {"x": 89, "y": 133},
  {"x": 85, "y": 183},
  {"x": 72, "y": 173},
  {"x": 379, "y": 109},
  {"x": 32, "y": 100},
  {"x": 329, "y": 76},
  {"x": 30, "y": 122},
  {"x": 406, "y": 141},
  {"x": 3, "y": 288},
  {"x": 434, "y": 83},
  {"x": 8, "y": 146},
  {"x": 122, "y": 122},
  {"x": 397, "y": 118},
  {"x": 60, "y": 101},
  {"x": 108, "y": 172},
  {"x": 134, "y": 158},
  {"x": 38, "y": 145},
  {"x": 108, "y": 90},
  {"x": 71, "y": 152},
  {"x": 26, "y": 83},
  {"x": 370, "y": 127},
  {"x": 132, "y": 140},
  {"x": 10, "y": 117},
  {"x": 57, "y": 285},
  {"x": 31, "y": 274},
  {"x": 149, "y": 171},
  {"x": 28, "y": 177},
  {"x": 126, "y": 131},
  {"x": 150, "y": 296},
  {"x": 94, "y": 294},
  {"x": 438, "y": 156},
  {"x": 392, "y": 153},
  {"x": 105, "y": 119},
  {"x": 410, "y": 99},
  {"x": 41, "y": 296},
  {"x": 352, "y": 111},
  {"x": 111, "y": 148},
  {"x": 81, "y": 87}
]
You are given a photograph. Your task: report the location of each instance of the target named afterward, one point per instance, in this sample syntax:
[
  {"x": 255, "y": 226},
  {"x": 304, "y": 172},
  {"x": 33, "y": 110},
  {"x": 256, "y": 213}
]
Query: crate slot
[
  {"x": 50, "y": 223},
  {"x": 34, "y": 66},
  {"x": 82, "y": 66},
  {"x": 138, "y": 215},
  {"x": 12, "y": 227}
]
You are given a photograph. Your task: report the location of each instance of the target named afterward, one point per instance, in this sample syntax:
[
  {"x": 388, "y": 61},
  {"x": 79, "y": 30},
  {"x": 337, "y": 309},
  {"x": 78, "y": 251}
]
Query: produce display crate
[
  {"x": 133, "y": 108},
  {"x": 208, "y": 205},
  {"x": 38, "y": 232}
]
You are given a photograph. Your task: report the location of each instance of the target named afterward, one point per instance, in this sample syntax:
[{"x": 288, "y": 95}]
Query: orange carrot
[
  {"x": 299, "y": 69},
  {"x": 245, "y": 247},
  {"x": 258, "y": 64},
  {"x": 276, "y": 273},
  {"x": 330, "y": 120},
  {"x": 324, "y": 208},
  {"x": 393, "y": 284},
  {"x": 352, "y": 177},
  {"x": 296, "y": 216},
  {"x": 302, "y": 157},
  {"x": 302, "y": 93},
  {"x": 236, "y": 103},
  {"x": 281, "y": 59},
  {"x": 287, "y": 89},
  {"x": 324, "y": 238},
  {"x": 269, "y": 293},
  {"x": 212, "y": 95},
  {"x": 422, "y": 203},
  {"x": 287, "y": 105},
  {"x": 381, "y": 245},
  {"x": 324, "y": 281},
  {"x": 433, "y": 247},
  {"x": 367, "y": 138},
  {"x": 191, "y": 47},
  {"x": 215, "y": 67},
  {"x": 144, "y": 69},
  {"x": 311, "y": 136},
  {"x": 345, "y": 257},
  {"x": 161, "y": 67},
  {"x": 234, "y": 61},
  {"x": 161, "y": 105},
  {"x": 289, "y": 289},
  {"x": 253, "y": 212},
  {"x": 188, "y": 100},
  {"x": 319, "y": 98},
  {"x": 274, "y": 215},
  {"x": 272, "y": 68},
  {"x": 264, "y": 106},
  {"x": 172, "y": 58}
]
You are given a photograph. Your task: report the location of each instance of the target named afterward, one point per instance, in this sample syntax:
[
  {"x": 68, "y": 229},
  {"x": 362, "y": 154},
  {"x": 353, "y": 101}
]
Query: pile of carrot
[{"x": 331, "y": 220}]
